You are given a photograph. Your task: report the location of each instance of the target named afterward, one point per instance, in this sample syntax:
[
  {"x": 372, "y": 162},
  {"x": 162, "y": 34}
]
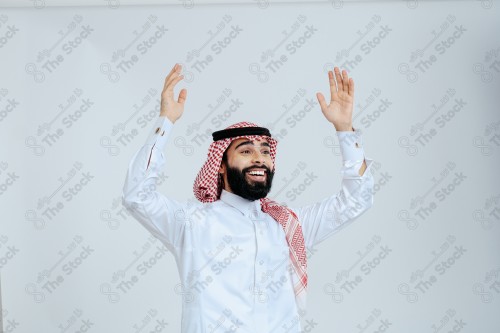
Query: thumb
[
  {"x": 182, "y": 96},
  {"x": 321, "y": 100}
]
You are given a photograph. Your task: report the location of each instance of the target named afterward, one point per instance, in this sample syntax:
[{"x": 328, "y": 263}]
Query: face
[{"x": 247, "y": 171}]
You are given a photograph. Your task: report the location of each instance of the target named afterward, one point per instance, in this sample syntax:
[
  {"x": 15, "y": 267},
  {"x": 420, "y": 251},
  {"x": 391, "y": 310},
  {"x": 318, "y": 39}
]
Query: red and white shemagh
[{"x": 207, "y": 189}]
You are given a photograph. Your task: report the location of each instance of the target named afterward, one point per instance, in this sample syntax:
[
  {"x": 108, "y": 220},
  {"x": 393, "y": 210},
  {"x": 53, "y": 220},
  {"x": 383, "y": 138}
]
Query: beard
[{"x": 248, "y": 189}]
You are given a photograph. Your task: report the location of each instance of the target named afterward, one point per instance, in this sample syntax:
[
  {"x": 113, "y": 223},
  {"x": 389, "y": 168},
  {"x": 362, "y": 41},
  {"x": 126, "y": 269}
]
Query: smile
[{"x": 258, "y": 175}]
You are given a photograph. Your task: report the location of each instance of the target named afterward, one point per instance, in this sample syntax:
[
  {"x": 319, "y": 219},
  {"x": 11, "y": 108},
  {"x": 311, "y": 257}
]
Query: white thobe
[{"x": 232, "y": 258}]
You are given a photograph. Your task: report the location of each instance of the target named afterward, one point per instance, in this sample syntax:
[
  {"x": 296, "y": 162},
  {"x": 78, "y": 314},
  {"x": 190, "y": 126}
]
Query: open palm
[
  {"x": 339, "y": 111},
  {"x": 171, "y": 108}
]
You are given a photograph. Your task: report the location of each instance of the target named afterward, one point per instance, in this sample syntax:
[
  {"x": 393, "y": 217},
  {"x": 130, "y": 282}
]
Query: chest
[{"x": 223, "y": 240}]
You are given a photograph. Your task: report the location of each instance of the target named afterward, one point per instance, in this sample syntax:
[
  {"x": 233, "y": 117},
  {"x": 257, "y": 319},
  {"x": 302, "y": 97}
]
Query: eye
[{"x": 245, "y": 151}]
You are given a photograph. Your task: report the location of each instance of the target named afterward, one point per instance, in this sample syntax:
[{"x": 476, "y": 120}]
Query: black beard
[{"x": 240, "y": 186}]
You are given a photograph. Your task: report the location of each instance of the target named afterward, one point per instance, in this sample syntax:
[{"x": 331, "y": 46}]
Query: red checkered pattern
[{"x": 206, "y": 189}]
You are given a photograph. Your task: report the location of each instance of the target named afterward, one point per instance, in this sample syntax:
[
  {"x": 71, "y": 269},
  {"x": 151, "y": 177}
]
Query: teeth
[{"x": 260, "y": 173}]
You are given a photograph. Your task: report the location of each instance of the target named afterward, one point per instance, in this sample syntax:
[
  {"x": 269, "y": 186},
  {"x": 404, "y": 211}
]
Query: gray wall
[{"x": 425, "y": 257}]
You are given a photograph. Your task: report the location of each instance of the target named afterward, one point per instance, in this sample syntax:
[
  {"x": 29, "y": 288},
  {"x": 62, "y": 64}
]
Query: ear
[{"x": 222, "y": 168}]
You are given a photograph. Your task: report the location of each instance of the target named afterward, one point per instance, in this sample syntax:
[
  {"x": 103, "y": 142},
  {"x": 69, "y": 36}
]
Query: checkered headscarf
[{"x": 207, "y": 188}]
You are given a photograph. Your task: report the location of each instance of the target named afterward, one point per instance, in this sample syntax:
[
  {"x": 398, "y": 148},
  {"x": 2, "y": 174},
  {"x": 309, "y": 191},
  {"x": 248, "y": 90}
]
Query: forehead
[{"x": 258, "y": 141}]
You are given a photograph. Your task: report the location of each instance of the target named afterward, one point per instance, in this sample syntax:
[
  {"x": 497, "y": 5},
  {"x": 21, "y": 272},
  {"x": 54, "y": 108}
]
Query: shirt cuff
[
  {"x": 160, "y": 133},
  {"x": 351, "y": 145}
]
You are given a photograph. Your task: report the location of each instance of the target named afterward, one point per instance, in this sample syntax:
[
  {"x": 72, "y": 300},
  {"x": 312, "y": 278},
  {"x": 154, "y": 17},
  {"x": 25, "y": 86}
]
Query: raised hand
[
  {"x": 169, "y": 107},
  {"x": 339, "y": 111}
]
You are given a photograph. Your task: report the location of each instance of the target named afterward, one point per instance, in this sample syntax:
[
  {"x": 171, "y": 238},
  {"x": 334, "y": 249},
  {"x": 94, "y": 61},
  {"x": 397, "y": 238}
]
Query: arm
[
  {"x": 322, "y": 219},
  {"x": 161, "y": 216}
]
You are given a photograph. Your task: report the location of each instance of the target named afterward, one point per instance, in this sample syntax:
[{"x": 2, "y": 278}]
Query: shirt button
[{"x": 261, "y": 262}]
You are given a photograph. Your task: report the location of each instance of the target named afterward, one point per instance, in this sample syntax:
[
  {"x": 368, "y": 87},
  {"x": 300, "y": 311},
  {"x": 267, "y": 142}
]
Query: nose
[{"x": 258, "y": 157}]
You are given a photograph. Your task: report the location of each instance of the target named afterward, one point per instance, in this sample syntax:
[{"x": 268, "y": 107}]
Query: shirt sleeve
[
  {"x": 322, "y": 219},
  {"x": 161, "y": 216}
]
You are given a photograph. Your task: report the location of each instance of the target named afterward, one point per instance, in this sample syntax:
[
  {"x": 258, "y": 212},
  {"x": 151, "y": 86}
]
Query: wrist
[
  {"x": 344, "y": 128},
  {"x": 172, "y": 119}
]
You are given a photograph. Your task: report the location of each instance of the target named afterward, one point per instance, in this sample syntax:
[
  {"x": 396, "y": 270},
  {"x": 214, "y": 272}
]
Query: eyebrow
[{"x": 251, "y": 143}]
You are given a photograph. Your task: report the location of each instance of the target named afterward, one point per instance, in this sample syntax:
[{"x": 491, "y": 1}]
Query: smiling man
[{"x": 241, "y": 256}]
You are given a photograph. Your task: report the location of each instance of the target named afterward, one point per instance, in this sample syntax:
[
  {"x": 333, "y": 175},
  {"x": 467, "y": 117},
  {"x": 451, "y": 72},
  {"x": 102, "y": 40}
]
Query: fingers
[
  {"x": 339, "y": 79},
  {"x": 173, "y": 77},
  {"x": 182, "y": 96},
  {"x": 169, "y": 75},
  {"x": 321, "y": 101},
  {"x": 343, "y": 81},
  {"x": 333, "y": 88}
]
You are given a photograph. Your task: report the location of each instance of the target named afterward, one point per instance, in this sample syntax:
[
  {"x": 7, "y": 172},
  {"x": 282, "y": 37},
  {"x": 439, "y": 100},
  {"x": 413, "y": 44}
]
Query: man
[{"x": 242, "y": 257}]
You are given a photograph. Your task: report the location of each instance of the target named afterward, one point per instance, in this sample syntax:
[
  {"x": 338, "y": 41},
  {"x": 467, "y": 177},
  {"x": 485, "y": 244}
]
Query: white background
[{"x": 435, "y": 61}]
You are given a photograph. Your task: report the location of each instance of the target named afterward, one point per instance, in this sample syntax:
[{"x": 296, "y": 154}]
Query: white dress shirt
[{"x": 233, "y": 259}]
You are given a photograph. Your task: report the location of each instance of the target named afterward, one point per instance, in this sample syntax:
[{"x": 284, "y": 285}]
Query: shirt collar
[{"x": 245, "y": 206}]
